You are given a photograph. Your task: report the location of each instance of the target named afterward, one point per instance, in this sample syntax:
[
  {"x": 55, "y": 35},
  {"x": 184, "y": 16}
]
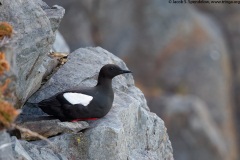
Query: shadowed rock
[{"x": 49, "y": 128}]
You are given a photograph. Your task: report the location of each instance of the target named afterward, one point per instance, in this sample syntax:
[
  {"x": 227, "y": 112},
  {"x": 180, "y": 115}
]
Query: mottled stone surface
[
  {"x": 6, "y": 151},
  {"x": 35, "y": 24},
  {"x": 129, "y": 130},
  {"x": 62, "y": 147},
  {"x": 191, "y": 126},
  {"x": 228, "y": 17},
  {"x": 50, "y": 128}
]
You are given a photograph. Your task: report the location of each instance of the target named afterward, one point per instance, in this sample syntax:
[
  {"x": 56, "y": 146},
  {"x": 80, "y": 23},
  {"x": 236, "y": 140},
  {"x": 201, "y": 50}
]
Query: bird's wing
[
  {"x": 52, "y": 106},
  {"x": 52, "y": 101},
  {"x": 76, "y": 111},
  {"x": 73, "y": 98}
]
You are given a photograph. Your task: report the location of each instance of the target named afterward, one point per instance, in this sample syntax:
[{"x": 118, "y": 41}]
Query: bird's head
[{"x": 111, "y": 70}]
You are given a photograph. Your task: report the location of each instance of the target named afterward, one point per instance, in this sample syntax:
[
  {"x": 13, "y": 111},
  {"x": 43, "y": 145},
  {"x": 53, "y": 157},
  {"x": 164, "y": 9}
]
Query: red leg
[{"x": 83, "y": 119}]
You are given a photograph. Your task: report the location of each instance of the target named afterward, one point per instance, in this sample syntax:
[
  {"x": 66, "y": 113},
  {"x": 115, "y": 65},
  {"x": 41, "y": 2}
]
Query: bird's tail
[
  {"x": 30, "y": 104},
  {"x": 30, "y": 108},
  {"x": 33, "y": 112}
]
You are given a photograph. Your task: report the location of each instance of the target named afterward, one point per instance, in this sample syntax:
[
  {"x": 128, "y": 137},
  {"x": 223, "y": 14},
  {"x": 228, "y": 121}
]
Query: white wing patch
[{"x": 78, "y": 98}]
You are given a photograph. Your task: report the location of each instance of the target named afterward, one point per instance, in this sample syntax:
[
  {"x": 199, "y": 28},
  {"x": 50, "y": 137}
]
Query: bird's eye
[{"x": 111, "y": 68}]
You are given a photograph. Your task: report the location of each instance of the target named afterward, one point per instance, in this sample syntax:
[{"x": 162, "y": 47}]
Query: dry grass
[
  {"x": 4, "y": 65},
  {"x": 7, "y": 111},
  {"x": 6, "y": 30}
]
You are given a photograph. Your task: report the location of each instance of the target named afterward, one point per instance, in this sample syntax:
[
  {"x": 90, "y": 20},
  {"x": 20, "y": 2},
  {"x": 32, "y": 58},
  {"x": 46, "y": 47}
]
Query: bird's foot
[{"x": 83, "y": 119}]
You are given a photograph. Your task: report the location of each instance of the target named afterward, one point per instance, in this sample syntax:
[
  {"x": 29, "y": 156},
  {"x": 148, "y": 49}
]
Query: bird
[{"x": 85, "y": 103}]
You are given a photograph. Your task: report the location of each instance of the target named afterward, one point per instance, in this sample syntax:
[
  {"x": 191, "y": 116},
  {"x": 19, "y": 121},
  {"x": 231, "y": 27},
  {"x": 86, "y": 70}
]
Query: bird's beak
[{"x": 125, "y": 71}]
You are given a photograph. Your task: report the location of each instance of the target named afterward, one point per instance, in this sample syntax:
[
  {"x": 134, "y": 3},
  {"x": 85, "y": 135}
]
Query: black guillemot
[{"x": 85, "y": 103}]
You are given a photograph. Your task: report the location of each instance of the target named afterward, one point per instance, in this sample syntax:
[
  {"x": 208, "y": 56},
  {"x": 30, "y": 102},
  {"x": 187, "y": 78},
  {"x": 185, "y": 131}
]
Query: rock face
[
  {"x": 228, "y": 18},
  {"x": 50, "y": 128},
  {"x": 182, "y": 50},
  {"x": 65, "y": 147},
  {"x": 117, "y": 135},
  {"x": 35, "y": 25},
  {"x": 6, "y": 151},
  {"x": 129, "y": 131},
  {"x": 201, "y": 68},
  {"x": 191, "y": 126}
]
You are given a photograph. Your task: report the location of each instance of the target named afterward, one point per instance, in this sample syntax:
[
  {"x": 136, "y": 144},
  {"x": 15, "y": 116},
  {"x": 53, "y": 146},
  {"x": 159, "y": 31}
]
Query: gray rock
[
  {"x": 190, "y": 125},
  {"x": 129, "y": 130},
  {"x": 35, "y": 27},
  {"x": 6, "y": 152},
  {"x": 55, "y": 15},
  {"x": 228, "y": 18},
  {"x": 50, "y": 128},
  {"x": 60, "y": 44},
  {"x": 18, "y": 150},
  {"x": 200, "y": 66},
  {"x": 63, "y": 147}
]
